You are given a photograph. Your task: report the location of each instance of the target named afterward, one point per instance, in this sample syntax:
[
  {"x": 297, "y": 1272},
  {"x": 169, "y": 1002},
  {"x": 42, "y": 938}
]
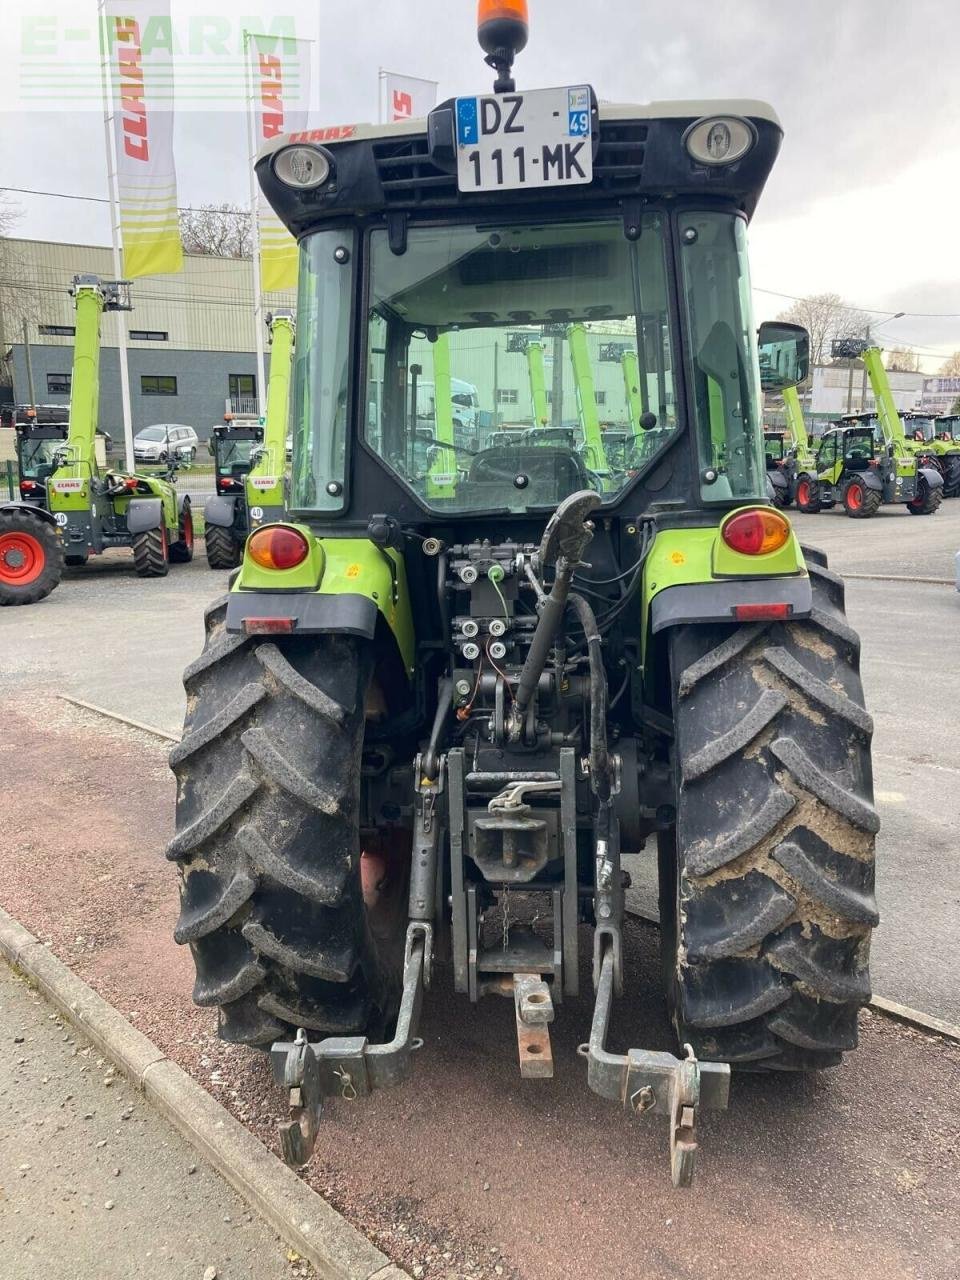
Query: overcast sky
[{"x": 864, "y": 200}]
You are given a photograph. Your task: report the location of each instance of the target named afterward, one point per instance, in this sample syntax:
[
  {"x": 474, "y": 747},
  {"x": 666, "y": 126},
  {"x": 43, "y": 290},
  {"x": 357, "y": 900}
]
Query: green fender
[{"x": 344, "y": 572}]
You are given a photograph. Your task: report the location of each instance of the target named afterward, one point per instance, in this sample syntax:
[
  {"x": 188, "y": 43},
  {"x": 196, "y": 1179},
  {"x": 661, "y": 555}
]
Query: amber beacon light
[{"x": 502, "y": 29}]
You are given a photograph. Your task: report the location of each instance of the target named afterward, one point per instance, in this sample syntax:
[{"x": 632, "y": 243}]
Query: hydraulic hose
[
  {"x": 431, "y": 762},
  {"x": 599, "y": 752}
]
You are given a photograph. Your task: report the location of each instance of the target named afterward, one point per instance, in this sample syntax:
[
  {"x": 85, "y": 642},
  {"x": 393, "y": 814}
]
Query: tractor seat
[{"x": 552, "y": 473}]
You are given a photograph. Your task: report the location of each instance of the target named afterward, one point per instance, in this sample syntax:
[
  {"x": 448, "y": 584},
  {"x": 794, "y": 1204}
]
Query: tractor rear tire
[
  {"x": 767, "y": 879},
  {"x": 859, "y": 502},
  {"x": 927, "y": 502},
  {"x": 151, "y": 553},
  {"x": 781, "y": 498},
  {"x": 808, "y": 495},
  {"x": 181, "y": 551},
  {"x": 223, "y": 549},
  {"x": 268, "y": 843},
  {"x": 951, "y": 477},
  {"x": 31, "y": 558}
]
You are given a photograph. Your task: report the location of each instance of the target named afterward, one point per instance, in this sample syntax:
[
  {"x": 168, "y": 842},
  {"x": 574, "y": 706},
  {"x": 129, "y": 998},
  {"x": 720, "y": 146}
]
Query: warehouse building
[{"x": 191, "y": 342}]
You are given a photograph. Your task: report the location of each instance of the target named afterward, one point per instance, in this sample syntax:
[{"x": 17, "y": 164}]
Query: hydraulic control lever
[{"x": 565, "y": 539}]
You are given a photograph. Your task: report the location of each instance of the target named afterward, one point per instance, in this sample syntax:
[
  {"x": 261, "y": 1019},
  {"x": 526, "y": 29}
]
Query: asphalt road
[
  {"x": 109, "y": 638},
  {"x": 93, "y": 1183}
]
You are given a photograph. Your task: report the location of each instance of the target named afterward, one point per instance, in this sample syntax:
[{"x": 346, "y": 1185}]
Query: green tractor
[
  {"x": 249, "y": 461},
  {"x": 437, "y": 707},
  {"x": 96, "y": 507}
]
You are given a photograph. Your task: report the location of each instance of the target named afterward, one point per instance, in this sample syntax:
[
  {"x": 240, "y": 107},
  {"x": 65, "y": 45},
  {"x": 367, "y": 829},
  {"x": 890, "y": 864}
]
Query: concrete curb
[
  {"x": 300, "y": 1217},
  {"x": 897, "y": 577},
  {"x": 924, "y": 1021},
  {"x": 115, "y": 715}
]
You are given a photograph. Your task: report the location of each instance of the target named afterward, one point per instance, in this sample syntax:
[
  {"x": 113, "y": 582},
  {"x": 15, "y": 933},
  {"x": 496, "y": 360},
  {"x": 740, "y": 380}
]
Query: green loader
[
  {"x": 437, "y": 710},
  {"x": 79, "y": 506},
  {"x": 790, "y": 464},
  {"x": 249, "y": 460}
]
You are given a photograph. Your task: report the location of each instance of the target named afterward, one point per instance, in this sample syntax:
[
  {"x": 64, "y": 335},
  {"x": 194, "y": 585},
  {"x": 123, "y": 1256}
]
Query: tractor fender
[
  {"x": 219, "y": 510},
  {"x": 870, "y": 480},
  {"x": 717, "y": 601},
  {"x": 41, "y": 513},
  {"x": 182, "y": 499},
  {"x": 778, "y": 480},
  {"x": 144, "y": 514},
  {"x": 933, "y": 477}
]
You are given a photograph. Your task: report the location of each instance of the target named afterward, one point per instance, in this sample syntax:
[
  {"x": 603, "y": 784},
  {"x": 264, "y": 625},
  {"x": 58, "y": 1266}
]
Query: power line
[
  {"x": 245, "y": 213},
  {"x": 65, "y": 195}
]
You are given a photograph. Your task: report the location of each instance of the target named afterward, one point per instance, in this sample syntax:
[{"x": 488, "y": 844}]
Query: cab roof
[{"x": 640, "y": 154}]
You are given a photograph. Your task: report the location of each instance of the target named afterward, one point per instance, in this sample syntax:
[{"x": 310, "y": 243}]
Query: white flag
[
  {"x": 141, "y": 78},
  {"x": 407, "y": 98},
  {"x": 280, "y": 81}
]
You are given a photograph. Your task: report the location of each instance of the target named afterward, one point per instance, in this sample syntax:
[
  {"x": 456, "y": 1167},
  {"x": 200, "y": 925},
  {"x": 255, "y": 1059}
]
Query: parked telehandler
[
  {"x": 928, "y": 439},
  {"x": 249, "y": 460},
  {"x": 427, "y": 725},
  {"x": 791, "y": 466},
  {"x": 95, "y": 506}
]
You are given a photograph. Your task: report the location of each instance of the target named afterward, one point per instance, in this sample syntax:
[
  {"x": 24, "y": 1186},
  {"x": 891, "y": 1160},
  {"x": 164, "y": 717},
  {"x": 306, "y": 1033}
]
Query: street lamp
[{"x": 863, "y": 385}]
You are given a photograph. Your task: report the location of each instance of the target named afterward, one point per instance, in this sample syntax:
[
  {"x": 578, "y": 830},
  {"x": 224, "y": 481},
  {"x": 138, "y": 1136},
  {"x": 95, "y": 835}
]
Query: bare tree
[
  {"x": 825, "y": 316},
  {"x": 950, "y": 367},
  {"x": 903, "y": 360},
  {"x": 217, "y": 230}
]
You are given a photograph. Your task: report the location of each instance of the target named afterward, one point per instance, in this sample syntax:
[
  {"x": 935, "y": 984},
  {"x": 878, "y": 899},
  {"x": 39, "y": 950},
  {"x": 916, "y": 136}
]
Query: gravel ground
[
  {"x": 466, "y": 1171},
  {"x": 94, "y": 1184}
]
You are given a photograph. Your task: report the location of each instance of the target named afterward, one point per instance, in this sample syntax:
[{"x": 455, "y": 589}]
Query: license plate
[{"x": 518, "y": 140}]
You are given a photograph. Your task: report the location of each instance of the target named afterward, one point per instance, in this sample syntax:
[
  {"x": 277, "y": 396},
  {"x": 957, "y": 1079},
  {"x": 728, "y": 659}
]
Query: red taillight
[
  {"x": 760, "y": 612},
  {"x": 27, "y": 485},
  {"x": 756, "y": 532},
  {"x": 278, "y": 547},
  {"x": 268, "y": 626}
]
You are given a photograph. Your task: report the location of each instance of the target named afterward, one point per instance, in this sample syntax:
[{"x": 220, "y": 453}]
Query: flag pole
[
  {"x": 381, "y": 114},
  {"x": 109, "y": 136},
  {"x": 255, "y": 230}
]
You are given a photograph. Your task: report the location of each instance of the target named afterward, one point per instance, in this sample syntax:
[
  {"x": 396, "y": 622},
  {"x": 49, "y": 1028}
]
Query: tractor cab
[
  {"x": 920, "y": 427},
  {"x": 774, "y": 449},
  {"x": 234, "y": 447},
  {"x": 38, "y": 447},
  {"x": 948, "y": 428}
]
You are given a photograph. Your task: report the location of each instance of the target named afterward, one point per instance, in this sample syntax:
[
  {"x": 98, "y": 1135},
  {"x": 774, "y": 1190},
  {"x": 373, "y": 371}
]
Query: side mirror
[{"x": 784, "y": 355}]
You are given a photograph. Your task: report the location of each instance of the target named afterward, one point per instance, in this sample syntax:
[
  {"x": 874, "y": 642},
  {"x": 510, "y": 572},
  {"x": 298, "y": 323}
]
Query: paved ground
[
  {"x": 466, "y": 1172},
  {"x": 94, "y": 1185},
  {"x": 129, "y": 641}
]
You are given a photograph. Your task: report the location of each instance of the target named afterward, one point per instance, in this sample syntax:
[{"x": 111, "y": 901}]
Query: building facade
[
  {"x": 940, "y": 394},
  {"x": 190, "y": 337}
]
